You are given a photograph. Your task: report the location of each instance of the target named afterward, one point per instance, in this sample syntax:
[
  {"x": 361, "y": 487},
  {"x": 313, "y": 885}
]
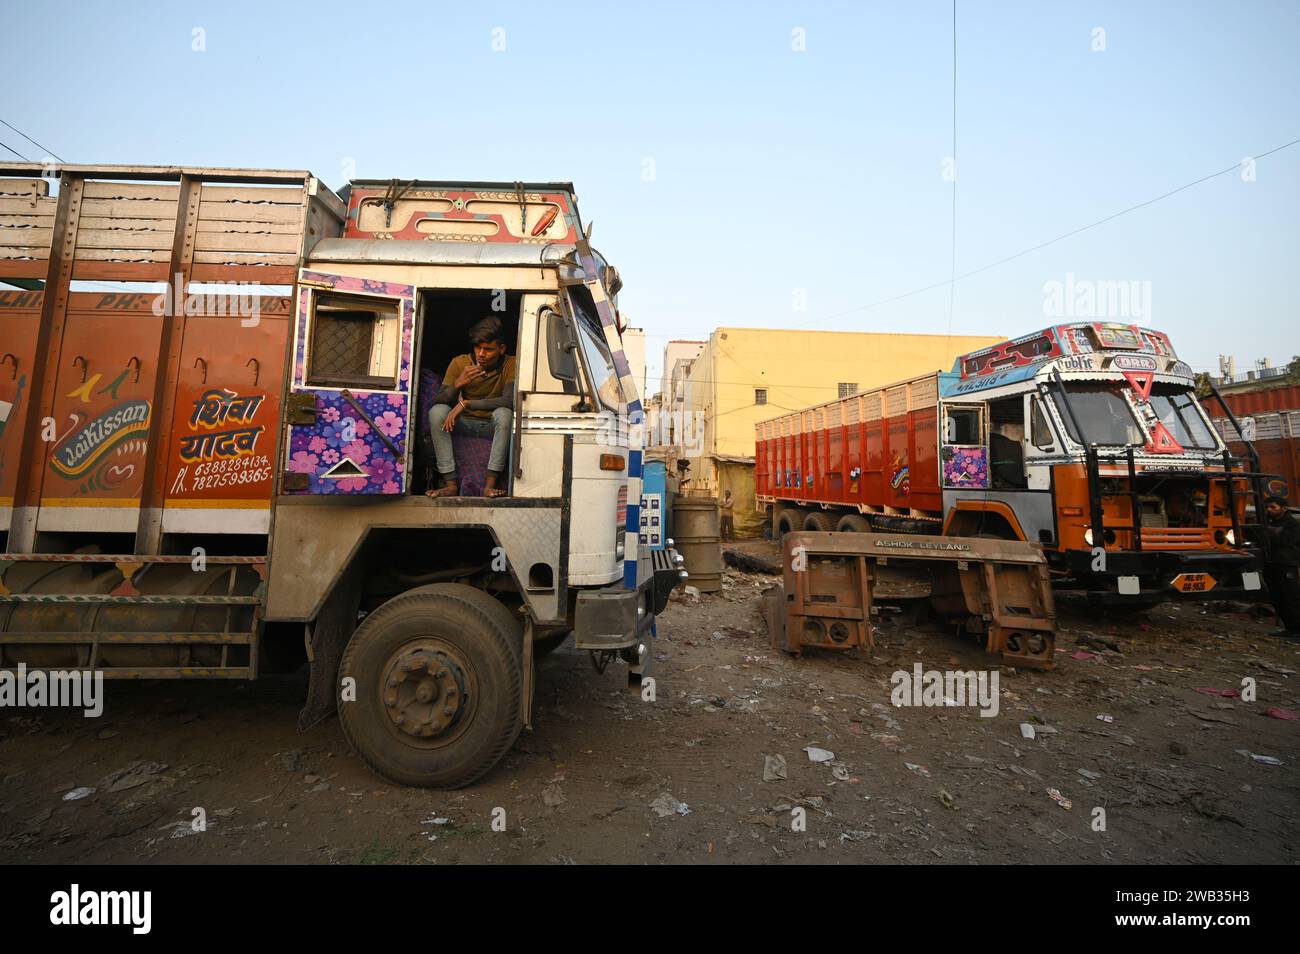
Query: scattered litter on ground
[
  {"x": 816, "y": 754},
  {"x": 773, "y": 767},
  {"x": 1262, "y": 759},
  {"x": 665, "y": 805},
  {"x": 133, "y": 776}
]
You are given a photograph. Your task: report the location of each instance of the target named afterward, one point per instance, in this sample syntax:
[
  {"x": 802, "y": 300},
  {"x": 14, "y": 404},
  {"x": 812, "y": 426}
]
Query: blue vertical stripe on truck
[{"x": 635, "y": 415}]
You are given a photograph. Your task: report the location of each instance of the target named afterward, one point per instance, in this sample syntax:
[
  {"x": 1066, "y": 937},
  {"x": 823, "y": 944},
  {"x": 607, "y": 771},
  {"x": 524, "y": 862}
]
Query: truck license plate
[{"x": 1193, "y": 582}]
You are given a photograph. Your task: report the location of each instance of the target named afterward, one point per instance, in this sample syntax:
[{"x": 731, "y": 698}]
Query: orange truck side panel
[
  {"x": 20, "y": 315},
  {"x": 224, "y": 431},
  {"x": 103, "y": 403}
]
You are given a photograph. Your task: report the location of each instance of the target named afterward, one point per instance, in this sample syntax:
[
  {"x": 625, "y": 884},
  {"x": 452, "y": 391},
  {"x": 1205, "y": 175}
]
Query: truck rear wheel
[
  {"x": 853, "y": 523},
  {"x": 789, "y": 521},
  {"x": 438, "y": 675},
  {"x": 819, "y": 522}
]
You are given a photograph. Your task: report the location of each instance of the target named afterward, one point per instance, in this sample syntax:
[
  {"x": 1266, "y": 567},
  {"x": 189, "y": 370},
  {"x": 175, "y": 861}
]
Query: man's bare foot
[
  {"x": 450, "y": 489},
  {"x": 490, "y": 488}
]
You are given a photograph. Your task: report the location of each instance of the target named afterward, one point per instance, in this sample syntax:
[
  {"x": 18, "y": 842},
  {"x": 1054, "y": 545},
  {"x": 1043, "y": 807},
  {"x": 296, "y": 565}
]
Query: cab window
[
  {"x": 595, "y": 353},
  {"x": 962, "y": 426}
]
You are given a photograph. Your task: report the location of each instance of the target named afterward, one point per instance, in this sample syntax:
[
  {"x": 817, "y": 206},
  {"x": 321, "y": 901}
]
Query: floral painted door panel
[
  {"x": 964, "y": 457},
  {"x": 965, "y": 468},
  {"x": 350, "y": 401}
]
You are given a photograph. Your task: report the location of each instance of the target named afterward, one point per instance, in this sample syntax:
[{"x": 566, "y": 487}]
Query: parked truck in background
[
  {"x": 217, "y": 480},
  {"x": 1266, "y": 422},
  {"x": 1085, "y": 438}
]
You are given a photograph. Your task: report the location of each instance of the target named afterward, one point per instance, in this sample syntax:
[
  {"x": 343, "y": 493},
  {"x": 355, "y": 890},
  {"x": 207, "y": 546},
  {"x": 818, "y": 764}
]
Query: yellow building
[{"x": 747, "y": 375}]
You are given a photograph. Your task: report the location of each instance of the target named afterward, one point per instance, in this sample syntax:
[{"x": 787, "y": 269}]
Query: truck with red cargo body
[
  {"x": 1085, "y": 438},
  {"x": 1264, "y": 421},
  {"x": 214, "y": 446}
]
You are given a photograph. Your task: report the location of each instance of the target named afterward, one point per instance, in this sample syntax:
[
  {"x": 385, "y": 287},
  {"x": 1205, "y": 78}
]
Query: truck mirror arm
[
  {"x": 1068, "y": 407},
  {"x": 1250, "y": 445}
]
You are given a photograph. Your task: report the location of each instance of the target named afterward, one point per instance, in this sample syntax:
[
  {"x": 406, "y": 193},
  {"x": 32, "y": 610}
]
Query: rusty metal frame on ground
[{"x": 998, "y": 588}]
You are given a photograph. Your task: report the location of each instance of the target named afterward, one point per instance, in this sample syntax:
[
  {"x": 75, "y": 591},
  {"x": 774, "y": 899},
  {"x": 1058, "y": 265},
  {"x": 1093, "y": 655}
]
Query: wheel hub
[{"x": 423, "y": 691}]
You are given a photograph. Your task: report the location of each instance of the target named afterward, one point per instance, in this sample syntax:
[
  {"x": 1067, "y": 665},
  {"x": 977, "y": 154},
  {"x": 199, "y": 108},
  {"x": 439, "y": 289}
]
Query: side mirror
[{"x": 560, "y": 347}]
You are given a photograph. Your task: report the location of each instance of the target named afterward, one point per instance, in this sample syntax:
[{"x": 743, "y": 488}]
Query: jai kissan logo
[{"x": 80, "y": 450}]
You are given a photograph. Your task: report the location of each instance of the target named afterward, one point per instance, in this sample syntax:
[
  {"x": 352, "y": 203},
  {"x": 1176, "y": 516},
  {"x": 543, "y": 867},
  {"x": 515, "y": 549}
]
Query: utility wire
[
  {"x": 16, "y": 153},
  {"x": 1065, "y": 235},
  {"x": 952, "y": 275},
  {"x": 48, "y": 152}
]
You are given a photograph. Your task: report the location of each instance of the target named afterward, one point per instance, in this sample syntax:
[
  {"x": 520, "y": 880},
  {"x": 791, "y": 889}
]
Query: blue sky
[{"x": 777, "y": 173}]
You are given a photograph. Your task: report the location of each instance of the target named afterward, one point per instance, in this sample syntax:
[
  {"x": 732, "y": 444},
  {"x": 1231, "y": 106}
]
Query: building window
[
  {"x": 848, "y": 388},
  {"x": 760, "y": 395}
]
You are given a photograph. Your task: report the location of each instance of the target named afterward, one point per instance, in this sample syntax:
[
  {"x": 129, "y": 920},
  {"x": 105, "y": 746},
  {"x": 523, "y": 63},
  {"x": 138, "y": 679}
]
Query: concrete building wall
[
  {"x": 676, "y": 351},
  {"x": 634, "y": 348},
  {"x": 796, "y": 368}
]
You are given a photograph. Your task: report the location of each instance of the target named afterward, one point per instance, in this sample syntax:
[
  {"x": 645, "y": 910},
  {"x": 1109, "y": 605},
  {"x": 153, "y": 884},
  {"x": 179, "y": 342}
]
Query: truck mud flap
[{"x": 997, "y": 588}]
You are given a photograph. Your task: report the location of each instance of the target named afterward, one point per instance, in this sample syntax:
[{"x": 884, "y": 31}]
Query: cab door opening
[{"x": 446, "y": 318}]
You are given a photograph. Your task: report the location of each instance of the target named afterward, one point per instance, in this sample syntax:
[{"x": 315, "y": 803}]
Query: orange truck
[
  {"x": 215, "y": 394},
  {"x": 1085, "y": 438}
]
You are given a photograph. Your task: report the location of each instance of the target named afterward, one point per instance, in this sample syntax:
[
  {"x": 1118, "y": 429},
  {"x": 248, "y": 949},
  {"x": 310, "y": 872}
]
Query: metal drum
[{"x": 695, "y": 535}]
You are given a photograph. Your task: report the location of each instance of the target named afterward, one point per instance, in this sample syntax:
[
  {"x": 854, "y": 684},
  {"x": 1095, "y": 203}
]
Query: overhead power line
[
  {"x": 16, "y": 153},
  {"x": 48, "y": 152},
  {"x": 1059, "y": 238}
]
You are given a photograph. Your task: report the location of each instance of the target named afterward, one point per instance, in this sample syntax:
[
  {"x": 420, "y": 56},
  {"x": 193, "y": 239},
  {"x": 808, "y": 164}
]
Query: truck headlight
[
  {"x": 1230, "y": 538},
  {"x": 1087, "y": 535}
]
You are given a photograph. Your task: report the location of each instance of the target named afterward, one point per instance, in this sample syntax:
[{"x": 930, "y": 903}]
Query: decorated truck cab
[
  {"x": 213, "y": 460},
  {"x": 1085, "y": 438}
]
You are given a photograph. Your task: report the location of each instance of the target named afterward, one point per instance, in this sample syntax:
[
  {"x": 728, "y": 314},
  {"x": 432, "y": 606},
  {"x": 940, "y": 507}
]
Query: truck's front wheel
[{"x": 438, "y": 676}]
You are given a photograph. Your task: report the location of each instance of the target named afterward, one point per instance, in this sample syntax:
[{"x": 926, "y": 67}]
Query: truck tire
[
  {"x": 853, "y": 523},
  {"x": 789, "y": 521},
  {"x": 819, "y": 521},
  {"x": 438, "y": 676}
]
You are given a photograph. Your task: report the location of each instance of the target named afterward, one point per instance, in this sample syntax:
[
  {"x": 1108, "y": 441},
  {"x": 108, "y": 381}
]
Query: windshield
[
  {"x": 1178, "y": 411},
  {"x": 604, "y": 378},
  {"x": 1104, "y": 414}
]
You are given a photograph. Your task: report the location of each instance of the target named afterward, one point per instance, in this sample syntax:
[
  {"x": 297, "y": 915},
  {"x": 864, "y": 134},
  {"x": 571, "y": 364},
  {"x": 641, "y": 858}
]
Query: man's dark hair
[
  {"x": 489, "y": 329},
  {"x": 1275, "y": 499}
]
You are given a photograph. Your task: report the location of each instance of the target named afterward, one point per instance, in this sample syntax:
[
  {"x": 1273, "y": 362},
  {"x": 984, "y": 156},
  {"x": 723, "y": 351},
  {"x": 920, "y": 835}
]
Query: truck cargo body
[
  {"x": 1270, "y": 420},
  {"x": 1086, "y": 439}
]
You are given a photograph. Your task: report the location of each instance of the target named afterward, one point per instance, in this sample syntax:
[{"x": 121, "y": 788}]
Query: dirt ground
[{"x": 1183, "y": 776}]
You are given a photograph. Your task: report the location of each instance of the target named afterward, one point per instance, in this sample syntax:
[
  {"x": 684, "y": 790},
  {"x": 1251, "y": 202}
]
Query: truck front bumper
[
  {"x": 1236, "y": 575},
  {"x": 614, "y": 617}
]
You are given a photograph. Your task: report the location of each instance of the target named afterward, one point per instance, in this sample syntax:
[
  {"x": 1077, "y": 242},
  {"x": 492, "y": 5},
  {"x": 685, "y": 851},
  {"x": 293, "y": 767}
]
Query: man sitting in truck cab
[{"x": 477, "y": 399}]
